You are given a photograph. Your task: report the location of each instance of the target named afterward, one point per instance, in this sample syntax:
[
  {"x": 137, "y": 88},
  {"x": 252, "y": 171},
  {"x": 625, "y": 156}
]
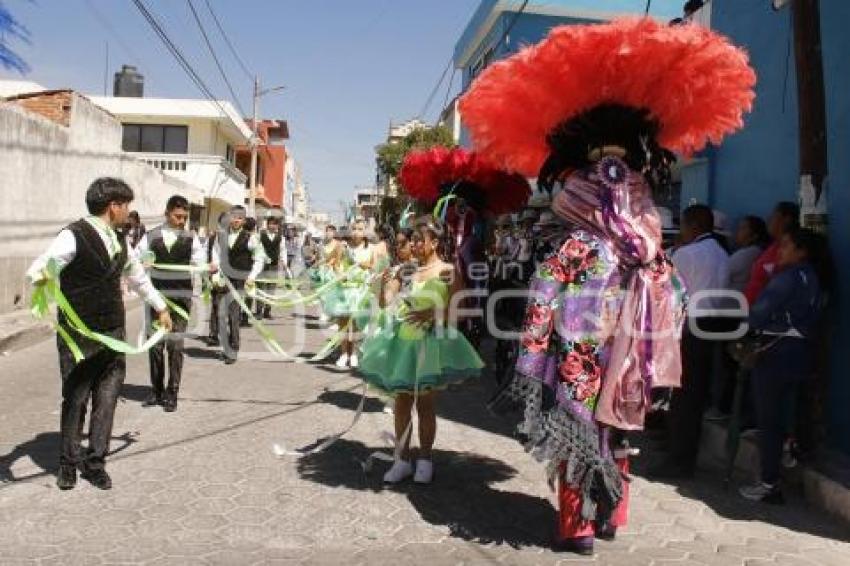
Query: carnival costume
[{"x": 611, "y": 103}]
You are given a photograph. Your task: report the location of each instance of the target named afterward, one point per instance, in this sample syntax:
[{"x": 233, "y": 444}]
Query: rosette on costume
[
  {"x": 689, "y": 79},
  {"x": 428, "y": 175}
]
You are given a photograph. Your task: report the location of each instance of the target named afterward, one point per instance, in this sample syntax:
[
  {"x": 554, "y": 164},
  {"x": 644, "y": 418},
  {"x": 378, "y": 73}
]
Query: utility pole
[
  {"x": 805, "y": 15},
  {"x": 255, "y": 142}
]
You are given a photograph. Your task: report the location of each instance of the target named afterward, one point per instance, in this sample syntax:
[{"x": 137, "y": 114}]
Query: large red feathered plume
[
  {"x": 425, "y": 172},
  {"x": 692, "y": 80}
]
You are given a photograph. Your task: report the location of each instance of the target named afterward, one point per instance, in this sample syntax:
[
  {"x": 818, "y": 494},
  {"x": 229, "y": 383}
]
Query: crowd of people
[{"x": 610, "y": 323}]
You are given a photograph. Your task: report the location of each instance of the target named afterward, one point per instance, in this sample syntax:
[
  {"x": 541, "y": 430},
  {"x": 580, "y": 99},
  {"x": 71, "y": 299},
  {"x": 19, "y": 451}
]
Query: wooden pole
[{"x": 812, "y": 112}]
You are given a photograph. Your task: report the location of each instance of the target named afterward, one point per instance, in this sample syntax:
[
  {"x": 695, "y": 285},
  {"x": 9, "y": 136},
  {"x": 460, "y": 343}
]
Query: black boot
[
  {"x": 169, "y": 403},
  {"x": 66, "y": 478},
  {"x": 98, "y": 478}
]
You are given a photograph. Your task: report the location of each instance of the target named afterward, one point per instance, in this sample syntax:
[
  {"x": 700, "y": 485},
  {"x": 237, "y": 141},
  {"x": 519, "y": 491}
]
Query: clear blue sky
[{"x": 349, "y": 67}]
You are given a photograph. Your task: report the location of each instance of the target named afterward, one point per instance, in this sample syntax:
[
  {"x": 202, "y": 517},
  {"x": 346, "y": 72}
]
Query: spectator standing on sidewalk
[
  {"x": 785, "y": 217},
  {"x": 786, "y": 313},
  {"x": 704, "y": 266}
]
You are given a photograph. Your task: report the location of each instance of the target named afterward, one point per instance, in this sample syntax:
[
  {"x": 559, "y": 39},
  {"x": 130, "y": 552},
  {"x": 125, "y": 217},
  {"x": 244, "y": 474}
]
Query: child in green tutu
[{"x": 417, "y": 352}]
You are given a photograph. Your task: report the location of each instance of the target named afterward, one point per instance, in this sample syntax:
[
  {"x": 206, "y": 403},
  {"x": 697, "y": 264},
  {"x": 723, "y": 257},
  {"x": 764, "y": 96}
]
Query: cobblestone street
[{"x": 203, "y": 485}]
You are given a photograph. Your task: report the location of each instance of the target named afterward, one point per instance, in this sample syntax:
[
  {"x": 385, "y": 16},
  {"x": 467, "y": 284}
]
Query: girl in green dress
[{"x": 416, "y": 353}]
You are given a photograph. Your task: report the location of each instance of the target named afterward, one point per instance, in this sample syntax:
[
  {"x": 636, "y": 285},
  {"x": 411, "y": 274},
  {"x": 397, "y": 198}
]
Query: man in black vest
[
  {"x": 215, "y": 291},
  {"x": 239, "y": 257},
  {"x": 272, "y": 241},
  {"x": 171, "y": 244},
  {"x": 91, "y": 258}
]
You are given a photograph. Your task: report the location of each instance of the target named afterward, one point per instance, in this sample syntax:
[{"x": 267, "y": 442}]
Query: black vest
[
  {"x": 92, "y": 281},
  {"x": 272, "y": 247},
  {"x": 179, "y": 254},
  {"x": 240, "y": 259}
]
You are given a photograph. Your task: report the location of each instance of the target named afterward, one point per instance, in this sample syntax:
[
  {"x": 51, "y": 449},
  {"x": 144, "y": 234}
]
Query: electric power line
[
  {"x": 107, "y": 25},
  {"x": 236, "y": 56},
  {"x": 435, "y": 89},
  {"x": 648, "y": 6},
  {"x": 181, "y": 59},
  {"x": 451, "y": 60},
  {"x": 215, "y": 57}
]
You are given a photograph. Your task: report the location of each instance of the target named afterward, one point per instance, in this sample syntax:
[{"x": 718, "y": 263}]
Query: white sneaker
[
  {"x": 401, "y": 470},
  {"x": 342, "y": 361},
  {"x": 324, "y": 319},
  {"x": 353, "y": 361},
  {"x": 333, "y": 328},
  {"x": 424, "y": 471}
]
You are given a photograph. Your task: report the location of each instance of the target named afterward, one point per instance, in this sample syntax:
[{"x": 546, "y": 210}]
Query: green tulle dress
[
  {"x": 401, "y": 357},
  {"x": 352, "y": 295}
]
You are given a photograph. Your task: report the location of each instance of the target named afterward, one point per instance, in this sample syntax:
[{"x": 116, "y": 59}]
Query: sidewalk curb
[
  {"x": 819, "y": 490},
  {"x": 24, "y": 336},
  {"x": 19, "y": 330}
]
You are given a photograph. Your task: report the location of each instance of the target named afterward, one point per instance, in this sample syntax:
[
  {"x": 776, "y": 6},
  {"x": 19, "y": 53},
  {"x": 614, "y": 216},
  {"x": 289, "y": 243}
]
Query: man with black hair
[
  {"x": 276, "y": 260},
  {"x": 171, "y": 244},
  {"x": 239, "y": 256},
  {"x": 704, "y": 266},
  {"x": 785, "y": 218},
  {"x": 91, "y": 259}
]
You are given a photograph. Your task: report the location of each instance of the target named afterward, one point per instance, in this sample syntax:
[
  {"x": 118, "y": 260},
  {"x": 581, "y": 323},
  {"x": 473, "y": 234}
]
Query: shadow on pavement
[
  {"x": 709, "y": 488},
  {"x": 43, "y": 450},
  {"x": 202, "y": 353},
  {"x": 137, "y": 393},
  {"x": 351, "y": 400},
  {"x": 461, "y": 496}
]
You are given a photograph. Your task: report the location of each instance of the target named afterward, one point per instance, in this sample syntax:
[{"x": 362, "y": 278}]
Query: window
[
  {"x": 229, "y": 154},
  {"x": 153, "y": 138}
]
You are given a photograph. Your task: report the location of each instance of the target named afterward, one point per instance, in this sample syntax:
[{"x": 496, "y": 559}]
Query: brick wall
[{"x": 55, "y": 106}]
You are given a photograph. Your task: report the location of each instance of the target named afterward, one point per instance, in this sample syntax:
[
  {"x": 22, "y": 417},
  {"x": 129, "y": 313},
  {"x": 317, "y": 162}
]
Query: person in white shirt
[
  {"x": 239, "y": 256},
  {"x": 91, "y": 259},
  {"x": 276, "y": 261},
  {"x": 704, "y": 266},
  {"x": 171, "y": 244}
]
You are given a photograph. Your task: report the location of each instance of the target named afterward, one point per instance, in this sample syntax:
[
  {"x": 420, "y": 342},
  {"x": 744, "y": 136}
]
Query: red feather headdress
[
  {"x": 692, "y": 80},
  {"x": 425, "y": 173}
]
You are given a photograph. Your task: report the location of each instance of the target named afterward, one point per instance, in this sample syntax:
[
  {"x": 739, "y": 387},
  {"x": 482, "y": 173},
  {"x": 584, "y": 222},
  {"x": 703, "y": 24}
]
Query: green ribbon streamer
[
  {"x": 264, "y": 332},
  {"x": 49, "y": 291},
  {"x": 442, "y": 206}
]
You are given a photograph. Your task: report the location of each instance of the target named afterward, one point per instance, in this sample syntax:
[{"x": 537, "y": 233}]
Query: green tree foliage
[{"x": 391, "y": 154}]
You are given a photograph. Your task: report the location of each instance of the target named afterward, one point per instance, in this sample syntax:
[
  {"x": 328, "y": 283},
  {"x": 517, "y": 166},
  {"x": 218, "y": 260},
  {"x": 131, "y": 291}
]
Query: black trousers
[
  {"x": 264, "y": 309},
  {"x": 690, "y": 401},
  {"x": 172, "y": 348},
  {"x": 215, "y": 300},
  {"x": 229, "y": 317},
  {"x": 99, "y": 376}
]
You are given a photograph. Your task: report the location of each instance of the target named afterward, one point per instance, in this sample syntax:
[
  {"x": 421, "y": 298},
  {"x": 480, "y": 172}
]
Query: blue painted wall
[
  {"x": 759, "y": 166},
  {"x": 835, "y": 16}
]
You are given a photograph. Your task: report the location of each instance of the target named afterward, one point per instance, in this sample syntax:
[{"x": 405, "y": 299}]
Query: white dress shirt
[
  {"x": 169, "y": 237},
  {"x": 63, "y": 250},
  {"x": 254, "y": 246},
  {"x": 704, "y": 266}
]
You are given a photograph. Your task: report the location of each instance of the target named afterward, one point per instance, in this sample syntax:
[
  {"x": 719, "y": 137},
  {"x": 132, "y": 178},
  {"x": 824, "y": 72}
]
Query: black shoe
[
  {"x": 582, "y": 546},
  {"x": 152, "y": 400},
  {"x": 98, "y": 478},
  {"x": 605, "y": 532},
  {"x": 211, "y": 341},
  {"x": 229, "y": 361},
  {"x": 169, "y": 404},
  {"x": 671, "y": 471},
  {"x": 66, "y": 478},
  {"x": 267, "y": 316}
]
